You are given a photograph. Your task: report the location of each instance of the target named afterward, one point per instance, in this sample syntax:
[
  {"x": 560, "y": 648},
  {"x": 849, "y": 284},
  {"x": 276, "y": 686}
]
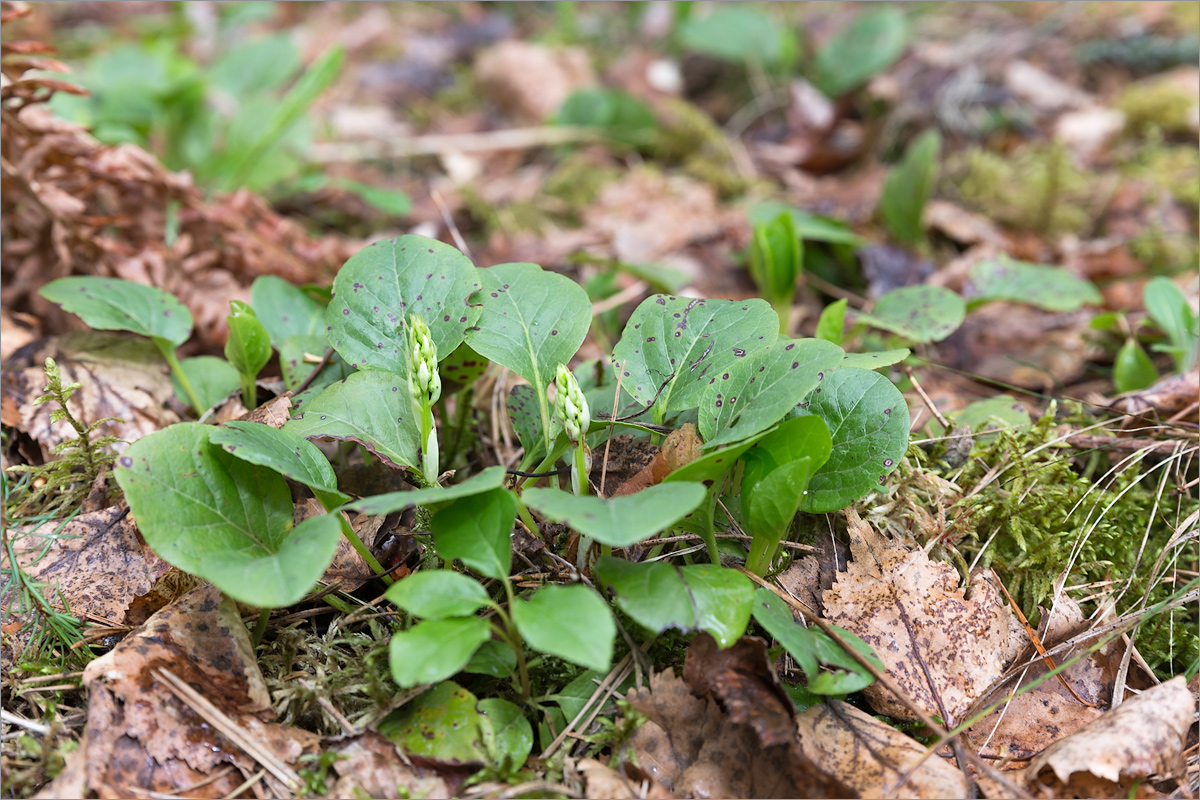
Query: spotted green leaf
[
  {"x": 920, "y": 313},
  {"x": 868, "y": 423},
  {"x": 674, "y": 347},
  {"x": 226, "y": 520},
  {"x": 378, "y": 288},
  {"x": 372, "y": 408},
  {"x": 760, "y": 391},
  {"x": 531, "y": 321},
  {"x": 113, "y": 304},
  {"x": 284, "y": 451}
]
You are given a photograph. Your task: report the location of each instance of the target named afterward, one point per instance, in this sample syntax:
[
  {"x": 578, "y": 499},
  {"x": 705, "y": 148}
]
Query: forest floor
[{"x": 991, "y": 208}]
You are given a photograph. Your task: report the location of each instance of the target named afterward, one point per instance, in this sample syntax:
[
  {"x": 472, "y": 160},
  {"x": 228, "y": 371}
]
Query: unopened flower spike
[
  {"x": 425, "y": 387},
  {"x": 571, "y": 407}
]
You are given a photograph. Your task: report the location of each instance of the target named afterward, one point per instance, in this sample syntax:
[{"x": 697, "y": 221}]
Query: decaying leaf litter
[{"x": 1010, "y": 612}]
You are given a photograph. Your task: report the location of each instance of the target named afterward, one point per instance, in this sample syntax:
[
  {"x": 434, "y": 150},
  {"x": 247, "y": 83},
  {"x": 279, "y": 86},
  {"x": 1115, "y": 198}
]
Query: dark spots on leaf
[
  {"x": 676, "y": 315},
  {"x": 495, "y": 295},
  {"x": 672, "y": 362},
  {"x": 554, "y": 332},
  {"x": 323, "y": 417},
  {"x": 166, "y": 313},
  {"x": 732, "y": 399},
  {"x": 462, "y": 319},
  {"x": 882, "y": 479},
  {"x": 126, "y": 461},
  {"x": 820, "y": 376},
  {"x": 626, "y": 374},
  {"x": 887, "y": 462},
  {"x": 725, "y": 377},
  {"x": 739, "y": 352},
  {"x": 445, "y": 317},
  {"x": 345, "y": 312},
  {"x": 661, "y": 301},
  {"x": 427, "y": 277},
  {"x": 395, "y": 388},
  {"x": 887, "y": 412},
  {"x": 790, "y": 346},
  {"x": 375, "y": 309},
  {"x": 795, "y": 364},
  {"x": 676, "y": 334},
  {"x": 650, "y": 339}
]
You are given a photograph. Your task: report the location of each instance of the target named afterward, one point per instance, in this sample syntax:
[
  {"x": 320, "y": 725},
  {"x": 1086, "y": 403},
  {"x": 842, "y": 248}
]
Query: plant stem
[
  {"x": 260, "y": 627},
  {"x": 362, "y": 550},
  {"x": 527, "y": 518},
  {"x": 429, "y": 445},
  {"x": 517, "y": 644},
  {"x": 249, "y": 391},
  {"x": 168, "y": 353},
  {"x": 762, "y": 553}
]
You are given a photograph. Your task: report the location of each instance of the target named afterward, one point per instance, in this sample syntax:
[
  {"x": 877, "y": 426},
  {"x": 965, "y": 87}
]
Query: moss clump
[
  {"x": 1176, "y": 169},
  {"x": 577, "y": 182},
  {"x": 689, "y": 137},
  {"x": 1045, "y": 514},
  {"x": 1037, "y": 188},
  {"x": 1153, "y": 108}
]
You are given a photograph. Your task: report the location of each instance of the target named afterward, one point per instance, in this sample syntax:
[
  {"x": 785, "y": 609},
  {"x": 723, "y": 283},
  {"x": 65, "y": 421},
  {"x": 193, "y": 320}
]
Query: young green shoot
[{"x": 248, "y": 348}]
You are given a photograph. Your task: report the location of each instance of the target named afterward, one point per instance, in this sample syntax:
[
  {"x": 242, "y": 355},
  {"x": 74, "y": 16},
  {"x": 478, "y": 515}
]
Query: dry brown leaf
[
  {"x": 16, "y": 331},
  {"x": 1164, "y": 399},
  {"x": 870, "y": 756},
  {"x": 370, "y": 765},
  {"x": 1141, "y": 737},
  {"x": 141, "y": 738},
  {"x": 602, "y": 782},
  {"x": 531, "y": 81},
  {"x": 348, "y": 569},
  {"x": 97, "y": 566},
  {"x": 121, "y": 376},
  {"x": 681, "y": 447},
  {"x": 1022, "y": 345},
  {"x": 648, "y": 215},
  {"x": 944, "y": 646},
  {"x": 743, "y": 682}
]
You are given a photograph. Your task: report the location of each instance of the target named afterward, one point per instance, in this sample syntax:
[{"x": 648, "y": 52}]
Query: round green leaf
[
  {"x": 682, "y": 345},
  {"x": 286, "y": 310},
  {"x": 477, "y": 531},
  {"x": 868, "y": 423},
  {"x": 438, "y": 594},
  {"x": 442, "y": 724},
  {"x": 735, "y": 33},
  {"x": 860, "y": 51},
  {"x": 531, "y": 321},
  {"x": 213, "y": 378},
  {"x": 436, "y": 649},
  {"x": 284, "y": 451},
  {"x": 619, "y": 521},
  {"x": 511, "y": 735},
  {"x": 920, "y": 313},
  {"x": 759, "y": 392},
  {"x": 223, "y": 519},
  {"x": 1051, "y": 288},
  {"x": 659, "y": 596},
  {"x": 433, "y": 497},
  {"x": 372, "y": 408},
  {"x": 570, "y": 622},
  {"x": 376, "y": 290},
  {"x": 113, "y": 304}
]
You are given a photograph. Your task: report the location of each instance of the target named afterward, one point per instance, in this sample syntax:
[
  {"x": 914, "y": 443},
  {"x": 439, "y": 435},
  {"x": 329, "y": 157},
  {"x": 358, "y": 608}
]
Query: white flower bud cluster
[
  {"x": 570, "y": 405},
  {"x": 424, "y": 383}
]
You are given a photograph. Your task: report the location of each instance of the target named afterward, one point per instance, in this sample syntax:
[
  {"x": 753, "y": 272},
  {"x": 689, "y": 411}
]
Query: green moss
[
  {"x": 577, "y": 182},
  {"x": 1176, "y": 169},
  {"x": 689, "y": 137},
  {"x": 1047, "y": 514},
  {"x": 1037, "y": 188},
  {"x": 1158, "y": 106}
]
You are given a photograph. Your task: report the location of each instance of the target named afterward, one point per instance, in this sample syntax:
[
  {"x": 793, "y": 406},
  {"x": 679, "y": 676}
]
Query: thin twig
[
  {"x": 436, "y": 144},
  {"x": 608, "y": 441}
]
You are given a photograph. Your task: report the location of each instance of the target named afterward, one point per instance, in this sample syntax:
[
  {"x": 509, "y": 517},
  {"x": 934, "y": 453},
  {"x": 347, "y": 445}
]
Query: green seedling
[
  {"x": 775, "y": 478},
  {"x": 1168, "y": 307},
  {"x": 866, "y": 47},
  {"x": 776, "y": 260},
  {"x": 1133, "y": 369},
  {"x": 248, "y": 348},
  {"x": 113, "y": 304},
  {"x": 832, "y": 322},
  {"x": 908, "y": 187}
]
